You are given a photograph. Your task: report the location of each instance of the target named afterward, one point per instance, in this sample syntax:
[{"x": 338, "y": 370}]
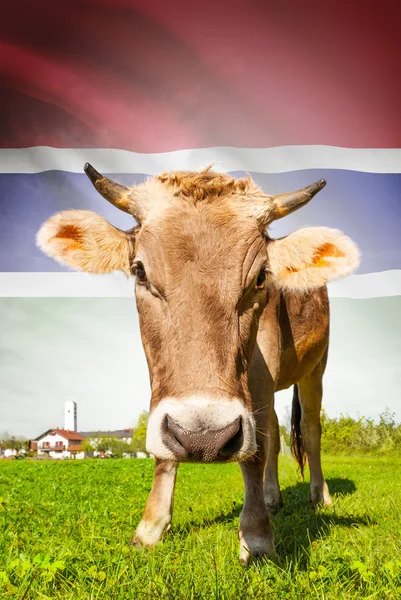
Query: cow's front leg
[
  {"x": 272, "y": 492},
  {"x": 159, "y": 506},
  {"x": 255, "y": 531}
]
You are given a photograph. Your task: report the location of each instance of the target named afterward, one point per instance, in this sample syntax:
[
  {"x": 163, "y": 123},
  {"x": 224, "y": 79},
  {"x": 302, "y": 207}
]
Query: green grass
[{"x": 65, "y": 528}]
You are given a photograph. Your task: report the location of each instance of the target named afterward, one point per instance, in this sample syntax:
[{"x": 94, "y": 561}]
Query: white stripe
[
  {"x": 83, "y": 285},
  {"x": 369, "y": 285},
  {"x": 261, "y": 160},
  {"x": 65, "y": 285}
]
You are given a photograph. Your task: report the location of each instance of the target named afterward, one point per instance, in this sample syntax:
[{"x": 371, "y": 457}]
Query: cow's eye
[
  {"x": 140, "y": 273},
  {"x": 261, "y": 278}
]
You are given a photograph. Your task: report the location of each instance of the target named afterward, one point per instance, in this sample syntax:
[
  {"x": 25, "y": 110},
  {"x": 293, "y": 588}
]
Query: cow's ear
[
  {"x": 308, "y": 258},
  {"x": 85, "y": 241}
]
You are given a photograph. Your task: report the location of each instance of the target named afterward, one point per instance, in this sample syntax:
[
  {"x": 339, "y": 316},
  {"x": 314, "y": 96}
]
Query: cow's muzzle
[
  {"x": 203, "y": 445},
  {"x": 201, "y": 429}
]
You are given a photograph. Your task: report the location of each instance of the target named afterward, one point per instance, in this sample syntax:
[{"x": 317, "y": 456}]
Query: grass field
[{"x": 65, "y": 528}]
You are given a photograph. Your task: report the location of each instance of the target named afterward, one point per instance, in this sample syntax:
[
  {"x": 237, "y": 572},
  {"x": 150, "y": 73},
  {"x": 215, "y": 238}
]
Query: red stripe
[{"x": 154, "y": 76}]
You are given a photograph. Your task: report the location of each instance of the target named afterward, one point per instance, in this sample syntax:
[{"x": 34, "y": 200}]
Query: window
[
  {"x": 59, "y": 444},
  {"x": 45, "y": 444}
]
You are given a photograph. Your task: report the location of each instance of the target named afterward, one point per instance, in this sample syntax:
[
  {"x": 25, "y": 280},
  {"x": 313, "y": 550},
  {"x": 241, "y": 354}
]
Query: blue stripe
[{"x": 366, "y": 206}]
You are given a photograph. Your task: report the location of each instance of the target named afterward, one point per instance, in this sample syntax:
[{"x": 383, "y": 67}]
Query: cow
[{"x": 228, "y": 316}]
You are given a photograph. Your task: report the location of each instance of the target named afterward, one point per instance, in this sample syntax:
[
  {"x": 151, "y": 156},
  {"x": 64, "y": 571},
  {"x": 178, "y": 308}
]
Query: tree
[
  {"x": 286, "y": 421},
  {"x": 103, "y": 444},
  {"x": 87, "y": 445},
  {"x": 138, "y": 443},
  {"x": 118, "y": 447},
  {"x": 285, "y": 435},
  {"x": 111, "y": 445},
  {"x": 15, "y": 444}
]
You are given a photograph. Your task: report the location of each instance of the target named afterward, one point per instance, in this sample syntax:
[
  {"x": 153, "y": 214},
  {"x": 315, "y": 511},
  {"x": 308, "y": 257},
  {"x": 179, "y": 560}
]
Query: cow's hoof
[
  {"x": 255, "y": 546},
  {"x": 320, "y": 496},
  {"x": 148, "y": 534}
]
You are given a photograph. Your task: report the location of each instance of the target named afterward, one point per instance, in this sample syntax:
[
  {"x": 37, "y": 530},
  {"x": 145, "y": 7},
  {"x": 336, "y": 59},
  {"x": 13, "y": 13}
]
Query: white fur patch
[
  {"x": 150, "y": 531},
  {"x": 198, "y": 412},
  {"x": 251, "y": 545},
  {"x": 150, "y": 199},
  {"x": 150, "y": 534}
]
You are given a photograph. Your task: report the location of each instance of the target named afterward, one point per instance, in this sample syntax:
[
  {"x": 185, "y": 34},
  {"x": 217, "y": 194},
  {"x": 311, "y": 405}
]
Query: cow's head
[{"x": 204, "y": 268}]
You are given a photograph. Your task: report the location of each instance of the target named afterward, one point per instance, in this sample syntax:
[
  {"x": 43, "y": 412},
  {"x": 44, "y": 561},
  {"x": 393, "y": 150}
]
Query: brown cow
[{"x": 228, "y": 316}]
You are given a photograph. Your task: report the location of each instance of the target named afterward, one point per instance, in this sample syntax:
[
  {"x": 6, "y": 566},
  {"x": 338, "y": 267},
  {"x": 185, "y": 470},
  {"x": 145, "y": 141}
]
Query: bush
[
  {"x": 346, "y": 434},
  {"x": 138, "y": 443}
]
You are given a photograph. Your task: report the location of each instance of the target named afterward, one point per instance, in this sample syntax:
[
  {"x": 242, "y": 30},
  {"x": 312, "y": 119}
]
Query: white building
[
  {"x": 59, "y": 443},
  {"x": 64, "y": 443},
  {"x": 9, "y": 452},
  {"x": 70, "y": 416}
]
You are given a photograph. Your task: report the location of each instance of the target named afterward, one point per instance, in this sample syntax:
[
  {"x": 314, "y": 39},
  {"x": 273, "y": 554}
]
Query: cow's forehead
[
  {"x": 199, "y": 246},
  {"x": 200, "y": 233}
]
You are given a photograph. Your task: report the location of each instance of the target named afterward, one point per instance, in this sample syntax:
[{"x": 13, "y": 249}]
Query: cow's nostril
[
  {"x": 204, "y": 445},
  {"x": 171, "y": 440},
  {"x": 234, "y": 444}
]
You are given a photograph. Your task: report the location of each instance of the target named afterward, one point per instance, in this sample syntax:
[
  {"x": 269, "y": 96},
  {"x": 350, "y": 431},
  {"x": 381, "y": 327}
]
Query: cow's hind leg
[
  {"x": 255, "y": 531},
  {"x": 310, "y": 400},
  {"x": 159, "y": 506},
  {"x": 271, "y": 486}
]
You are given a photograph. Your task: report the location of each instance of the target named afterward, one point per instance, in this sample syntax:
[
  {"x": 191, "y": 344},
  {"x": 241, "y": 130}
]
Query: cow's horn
[
  {"x": 284, "y": 204},
  {"x": 116, "y": 194}
]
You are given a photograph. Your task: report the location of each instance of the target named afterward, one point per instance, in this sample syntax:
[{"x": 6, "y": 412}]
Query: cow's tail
[{"x": 297, "y": 448}]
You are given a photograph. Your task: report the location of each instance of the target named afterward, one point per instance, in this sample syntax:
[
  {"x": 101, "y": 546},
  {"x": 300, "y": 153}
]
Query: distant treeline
[
  {"x": 342, "y": 434},
  {"x": 345, "y": 434}
]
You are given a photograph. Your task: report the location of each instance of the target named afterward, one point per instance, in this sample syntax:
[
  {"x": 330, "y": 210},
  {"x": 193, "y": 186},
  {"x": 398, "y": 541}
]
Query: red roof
[{"x": 67, "y": 434}]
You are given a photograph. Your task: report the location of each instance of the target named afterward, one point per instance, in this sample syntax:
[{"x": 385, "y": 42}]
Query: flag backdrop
[{"x": 287, "y": 91}]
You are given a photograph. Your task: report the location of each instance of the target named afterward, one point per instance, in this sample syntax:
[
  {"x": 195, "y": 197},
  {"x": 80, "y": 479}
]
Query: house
[
  {"x": 122, "y": 434},
  {"x": 95, "y": 437},
  {"x": 59, "y": 443},
  {"x": 65, "y": 443}
]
